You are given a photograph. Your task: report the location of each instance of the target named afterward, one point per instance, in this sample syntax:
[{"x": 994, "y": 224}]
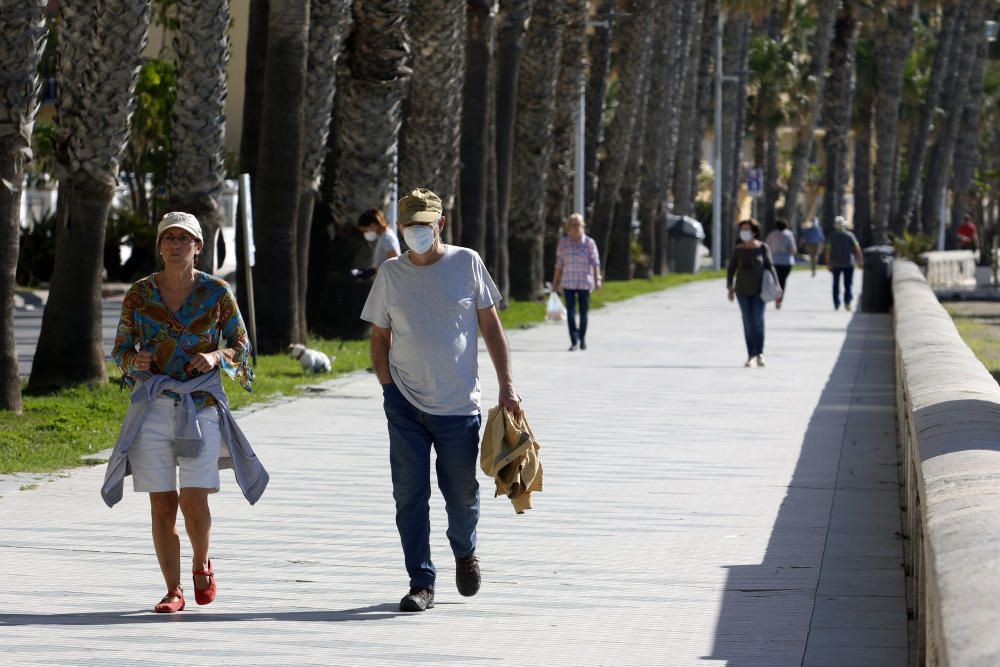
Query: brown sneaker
[
  {"x": 418, "y": 599},
  {"x": 467, "y": 577}
]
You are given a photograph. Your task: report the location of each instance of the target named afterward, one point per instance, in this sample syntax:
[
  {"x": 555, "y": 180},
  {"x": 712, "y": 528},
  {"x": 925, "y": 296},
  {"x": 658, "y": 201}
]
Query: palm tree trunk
[
  {"x": 601, "y": 42},
  {"x": 329, "y": 23},
  {"x": 686, "y": 145},
  {"x": 939, "y": 168},
  {"x": 893, "y": 44},
  {"x": 479, "y": 37},
  {"x": 253, "y": 97},
  {"x": 198, "y": 130},
  {"x": 22, "y": 41},
  {"x": 514, "y": 17},
  {"x": 863, "y": 168},
  {"x": 371, "y": 84},
  {"x": 559, "y": 195},
  {"x": 734, "y": 110},
  {"x": 533, "y": 128},
  {"x": 430, "y": 138},
  {"x": 706, "y": 91},
  {"x": 653, "y": 184},
  {"x": 917, "y": 146},
  {"x": 839, "y": 93},
  {"x": 106, "y": 44},
  {"x": 807, "y": 122},
  {"x": 966, "y": 152},
  {"x": 634, "y": 58},
  {"x": 278, "y": 185}
]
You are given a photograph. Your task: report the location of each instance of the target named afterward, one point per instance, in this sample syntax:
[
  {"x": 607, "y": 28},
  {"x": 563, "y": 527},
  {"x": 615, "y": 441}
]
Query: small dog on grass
[{"x": 313, "y": 361}]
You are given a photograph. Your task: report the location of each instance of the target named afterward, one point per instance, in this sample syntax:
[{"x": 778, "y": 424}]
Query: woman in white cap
[{"x": 179, "y": 327}]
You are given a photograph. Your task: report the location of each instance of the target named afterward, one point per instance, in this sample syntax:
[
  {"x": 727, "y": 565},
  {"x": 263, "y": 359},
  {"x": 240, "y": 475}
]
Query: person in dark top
[
  {"x": 750, "y": 260},
  {"x": 842, "y": 251}
]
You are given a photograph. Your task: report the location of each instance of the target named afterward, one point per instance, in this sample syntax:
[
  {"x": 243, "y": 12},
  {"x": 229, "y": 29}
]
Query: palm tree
[
  {"x": 864, "y": 105},
  {"x": 839, "y": 94},
  {"x": 513, "y": 21},
  {"x": 634, "y": 58},
  {"x": 429, "y": 141},
  {"x": 104, "y": 41},
  {"x": 812, "y": 96},
  {"x": 734, "y": 111},
  {"x": 533, "y": 128},
  {"x": 198, "y": 128},
  {"x": 688, "y": 142},
  {"x": 599, "y": 50},
  {"x": 893, "y": 43},
  {"x": 253, "y": 97},
  {"x": 279, "y": 171},
  {"x": 371, "y": 83},
  {"x": 480, "y": 34},
  {"x": 706, "y": 89},
  {"x": 558, "y": 201},
  {"x": 329, "y": 23},
  {"x": 919, "y": 141},
  {"x": 956, "y": 94},
  {"x": 22, "y": 41},
  {"x": 963, "y": 183},
  {"x": 653, "y": 184}
]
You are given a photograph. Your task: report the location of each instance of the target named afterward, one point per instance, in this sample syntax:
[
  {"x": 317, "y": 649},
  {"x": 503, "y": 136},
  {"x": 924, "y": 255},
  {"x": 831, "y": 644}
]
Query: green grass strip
[{"x": 56, "y": 430}]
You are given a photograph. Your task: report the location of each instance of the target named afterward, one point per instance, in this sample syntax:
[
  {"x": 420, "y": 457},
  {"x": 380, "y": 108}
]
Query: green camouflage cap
[{"x": 421, "y": 205}]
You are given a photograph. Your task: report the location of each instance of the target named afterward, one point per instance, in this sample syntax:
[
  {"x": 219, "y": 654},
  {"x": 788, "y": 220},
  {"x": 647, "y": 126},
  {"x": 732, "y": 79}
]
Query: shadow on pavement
[
  {"x": 769, "y": 610},
  {"x": 376, "y": 612}
]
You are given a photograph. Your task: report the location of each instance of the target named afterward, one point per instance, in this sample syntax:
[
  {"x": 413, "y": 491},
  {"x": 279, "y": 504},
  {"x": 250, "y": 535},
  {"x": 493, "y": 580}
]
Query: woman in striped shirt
[{"x": 578, "y": 272}]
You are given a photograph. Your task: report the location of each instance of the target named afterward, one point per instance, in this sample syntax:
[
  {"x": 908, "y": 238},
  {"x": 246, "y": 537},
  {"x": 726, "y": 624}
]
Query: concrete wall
[
  {"x": 950, "y": 268},
  {"x": 949, "y": 422}
]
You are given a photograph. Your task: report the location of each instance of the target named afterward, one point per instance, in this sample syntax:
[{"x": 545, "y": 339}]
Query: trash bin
[
  {"x": 685, "y": 237},
  {"x": 876, "y": 285}
]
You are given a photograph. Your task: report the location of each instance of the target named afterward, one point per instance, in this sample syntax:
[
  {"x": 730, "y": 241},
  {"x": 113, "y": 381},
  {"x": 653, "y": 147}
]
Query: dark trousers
[
  {"x": 782, "y": 271},
  {"x": 848, "y": 273},
  {"x": 752, "y": 308},
  {"x": 412, "y": 433},
  {"x": 577, "y": 334}
]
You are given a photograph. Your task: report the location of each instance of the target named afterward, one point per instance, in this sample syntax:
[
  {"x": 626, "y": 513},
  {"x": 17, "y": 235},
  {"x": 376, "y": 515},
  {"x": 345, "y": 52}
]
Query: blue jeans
[
  {"x": 456, "y": 441},
  {"x": 752, "y": 308},
  {"x": 572, "y": 295},
  {"x": 848, "y": 273}
]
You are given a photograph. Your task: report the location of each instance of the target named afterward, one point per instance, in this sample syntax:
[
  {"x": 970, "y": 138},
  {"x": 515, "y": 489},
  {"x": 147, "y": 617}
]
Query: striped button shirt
[{"x": 577, "y": 260}]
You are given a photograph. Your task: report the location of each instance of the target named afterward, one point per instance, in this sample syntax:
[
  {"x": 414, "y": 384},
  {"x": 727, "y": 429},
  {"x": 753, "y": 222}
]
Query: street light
[{"x": 717, "y": 148}]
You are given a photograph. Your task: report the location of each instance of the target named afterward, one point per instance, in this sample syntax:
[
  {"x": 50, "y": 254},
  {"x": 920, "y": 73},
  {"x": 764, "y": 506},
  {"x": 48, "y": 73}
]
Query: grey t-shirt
[
  {"x": 842, "y": 244},
  {"x": 385, "y": 243},
  {"x": 432, "y": 311}
]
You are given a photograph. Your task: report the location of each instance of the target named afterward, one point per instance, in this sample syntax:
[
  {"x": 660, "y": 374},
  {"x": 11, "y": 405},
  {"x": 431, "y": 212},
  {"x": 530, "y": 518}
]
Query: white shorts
[{"x": 151, "y": 456}]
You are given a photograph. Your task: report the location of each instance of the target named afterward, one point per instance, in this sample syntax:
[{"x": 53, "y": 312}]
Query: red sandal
[
  {"x": 205, "y": 595},
  {"x": 166, "y": 607}
]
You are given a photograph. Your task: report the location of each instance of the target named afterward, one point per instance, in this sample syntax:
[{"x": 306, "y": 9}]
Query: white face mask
[
  {"x": 370, "y": 236},
  {"x": 746, "y": 234},
  {"x": 420, "y": 238}
]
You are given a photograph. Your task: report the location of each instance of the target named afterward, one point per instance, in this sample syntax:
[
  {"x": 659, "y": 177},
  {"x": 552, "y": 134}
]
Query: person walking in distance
[
  {"x": 813, "y": 242},
  {"x": 744, "y": 278},
  {"x": 426, "y": 308},
  {"x": 781, "y": 243},
  {"x": 578, "y": 273},
  {"x": 842, "y": 252}
]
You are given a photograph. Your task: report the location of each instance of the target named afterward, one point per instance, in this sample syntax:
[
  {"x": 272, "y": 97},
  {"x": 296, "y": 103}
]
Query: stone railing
[
  {"x": 950, "y": 268},
  {"x": 948, "y": 407}
]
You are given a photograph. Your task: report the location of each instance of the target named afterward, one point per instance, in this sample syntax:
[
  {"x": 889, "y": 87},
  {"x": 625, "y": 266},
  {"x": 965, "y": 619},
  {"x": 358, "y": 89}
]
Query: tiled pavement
[{"x": 695, "y": 513}]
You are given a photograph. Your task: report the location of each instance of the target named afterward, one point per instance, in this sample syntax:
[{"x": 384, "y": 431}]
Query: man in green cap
[{"x": 426, "y": 308}]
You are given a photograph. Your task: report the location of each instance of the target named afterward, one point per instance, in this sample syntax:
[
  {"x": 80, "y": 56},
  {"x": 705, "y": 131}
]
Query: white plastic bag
[{"x": 554, "y": 309}]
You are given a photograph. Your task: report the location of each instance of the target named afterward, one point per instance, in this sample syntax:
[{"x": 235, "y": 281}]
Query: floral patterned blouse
[{"x": 209, "y": 317}]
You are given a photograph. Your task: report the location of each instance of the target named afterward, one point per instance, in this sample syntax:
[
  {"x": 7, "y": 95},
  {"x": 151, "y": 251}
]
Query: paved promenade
[{"x": 695, "y": 513}]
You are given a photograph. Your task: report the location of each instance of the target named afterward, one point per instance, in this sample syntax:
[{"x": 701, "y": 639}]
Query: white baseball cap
[{"x": 180, "y": 220}]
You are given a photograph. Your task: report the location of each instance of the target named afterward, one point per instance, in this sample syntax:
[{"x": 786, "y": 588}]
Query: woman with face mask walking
[
  {"x": 374, "y": 227},
  {"x": 744, "y": 277}
]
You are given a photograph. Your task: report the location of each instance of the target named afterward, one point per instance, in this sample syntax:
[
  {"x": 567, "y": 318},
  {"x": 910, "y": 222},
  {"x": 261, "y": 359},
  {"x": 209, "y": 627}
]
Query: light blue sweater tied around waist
[{"x": 250, "y": 473}]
